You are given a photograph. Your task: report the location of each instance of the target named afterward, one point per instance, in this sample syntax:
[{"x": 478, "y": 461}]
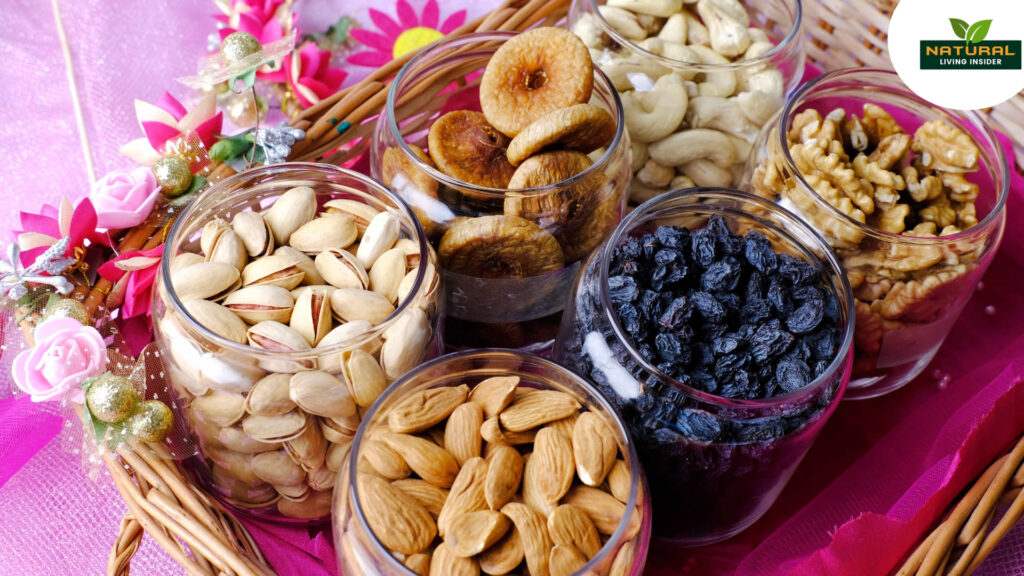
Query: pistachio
[
  {"x": 341, "y": 269},
  {"x": 293, "y": 209},
  {"x": 254, "y": 232},
  {"x": 233, "y": 464},
  {"x": 380, "y": 235},
  {"x": 219, "y": 408},
  {"x": 296, "y": 493},
  {"x": 309, "y": 448},
  {"x": 317, "y": 505},
  {"x": 184, "y": 260},
  {"x": 322, "y": 478},
  {"x": 352, "y": 304},
  {"x": 234, "y": 438},
  {"x": 336, "y": 454},
  {"x": 311, "y": 316},
  {"x": 277, "y": 468},
  {"x": 325, "y": 232},
  {"x": 270, "y": 335},
  {"x": 339, "y": 429},
  {"x": 231, "y": 372},
  {"x": 321, "y": 394},
  {"x": 225, "y": 246},
  {"x": 297, "y": 293},
  {"x": 260, "y": 302},
  {"x": 217, "y": 319},
  {"x": 405, "y": 343},
  {"x": 345, "y": 333},
  {"x": 387, "y": 273},
  {"x": 275, "y": 428},
  {"x": 205, "y": 281},
  {"x": 411, "y": 249},
  {"x": 275, "y": 270},
  {"x": 431, "y": 281},
  {"x": 304, "y": 262},
  {"x": 270, "y": 396},
  {"x": 365, "y": 377},
  {"x": 211, "y": 232},
  {"x": 360, "y": 213}
]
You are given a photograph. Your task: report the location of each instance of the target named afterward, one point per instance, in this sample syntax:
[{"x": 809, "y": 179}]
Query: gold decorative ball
[
  {"x": 173, "y": 175},
  {"x": 239, "y": 46},
  {"x": 66, "y": 308},
  {"x": 111, "y": 398},
  {"x": 152, "y": 421}
]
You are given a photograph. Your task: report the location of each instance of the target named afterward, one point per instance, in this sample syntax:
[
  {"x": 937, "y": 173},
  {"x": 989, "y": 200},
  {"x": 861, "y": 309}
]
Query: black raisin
[
  {"x": 759, "y": 253},
  {"x": 669, "y": 349},
  {"x": 798, "y": 272},
  {"x": 676, "y": 314},
  {"x": 702, "y": 247},
  {"x": 698, "y": 424},
  {"x": 756, "y": 311},
  {"x": 623, "y": 289},
  {"x": 673, "y": 237},
  {"x": 708, "y": 307},
  {"x": 806, "y": 318},
  {"x": 779, "y": 297},
  {"x": 722, "y": 276},
  {"x": 792, "y": 374}
]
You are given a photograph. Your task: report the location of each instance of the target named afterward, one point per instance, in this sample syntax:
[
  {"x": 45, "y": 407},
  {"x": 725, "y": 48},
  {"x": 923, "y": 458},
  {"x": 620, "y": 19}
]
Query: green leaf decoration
[
  {"x": 248, "y": 78},
  {"x": 338, "y": 33},
  {"x": 197, "y": 183},
  {"x": 978, "y": 31},
  {"x": 228, "y": 148},
  {"x": 959, "y": 27}
]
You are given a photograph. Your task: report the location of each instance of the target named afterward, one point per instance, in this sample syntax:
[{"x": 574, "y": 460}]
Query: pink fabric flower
[
  {"x": 310, "y": 75},
  {"x": 65, "y": 354},
  {"x": 40, "y": 231},
  {"x": 167, "y": 120},
  {"x": 142, "y": 266},
  {"x": 124, "y": 198}
]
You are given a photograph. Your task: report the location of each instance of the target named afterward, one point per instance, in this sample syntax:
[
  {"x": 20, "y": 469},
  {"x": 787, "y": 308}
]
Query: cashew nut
[
  {"x": 628, "y": 70},
  {"x": 743, "y": 147},
  {"x": 707, "y": 173},
  {"x": 728, "y": 33},
  {"x": 638, "y": 193},
  {"x": 655, "y": 114},
  {"x": 589, "y": 30},
  {"x": 758, "y": 107},
  {"x": 721, "y": 114},
  {"x": 681, "y": 182},
  {"x": 768, "y": 81},
  {"x": 697, "y": 31},
  {"x": 655, "y": 175},
  {"x": 681, "y": 53},
  {"x": 623, "y": 21},
  {"x": 757, "y": 35},
  {"x": 722, "y": 83},
  {"x": 638, "y": 155},
  {"x": 698, "y": 144},
  {"x": 674, "y": 29},
  {"x": 757, "y": 49},
  {"x": 661, "y": 8}
]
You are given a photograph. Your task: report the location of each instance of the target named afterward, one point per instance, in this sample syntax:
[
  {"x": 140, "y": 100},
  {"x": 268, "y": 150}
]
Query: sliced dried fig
[
  {"x": 533, "y": 74},
  {"x": 466, "y": 147},
  {"x": 500, "y": 246},
  {"x": 582, "y": 127}
]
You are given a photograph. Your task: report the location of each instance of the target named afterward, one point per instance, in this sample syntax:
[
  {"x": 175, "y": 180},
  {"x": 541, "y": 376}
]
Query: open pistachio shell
[
  {"x": 255, "y": 304},
  {"x": 205, "y": 281},
  {"x": 217, "y": 319},
  {"x": 270, "y": 396},
  {"x": 275, "y": 428}
]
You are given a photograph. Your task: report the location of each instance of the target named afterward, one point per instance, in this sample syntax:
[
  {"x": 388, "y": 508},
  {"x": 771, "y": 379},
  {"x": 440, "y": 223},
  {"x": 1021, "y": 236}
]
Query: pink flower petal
[
  {"x": 28, "y": 257},
  {"x": 374, "y": 40},
  {"x": 171, "y": 104},
  {"x": 38, "y": 223},
  {"x": 370, "y": 58},
  {"x": 140, "y": 151},
  {"x": 110, "y": 272},
  {"x": 146, "y": 112},
  {"x": 208, "y": 130},
  {"x": 158, "y": 133},
  {"x": 407, "y": 15},
  {"x": 431, "y": 15},
  {"x": 385, "y": 24},
  {"x": 453, "y": 22},
  {"x": 55, "y": 326}
]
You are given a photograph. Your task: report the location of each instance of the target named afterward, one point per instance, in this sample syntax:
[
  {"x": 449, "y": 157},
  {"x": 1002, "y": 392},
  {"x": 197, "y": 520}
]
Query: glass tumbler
[
  {"x": 694, "y": 104},
  {"x": 625, "y": 540},
  {"x": 910, "y": 285},
  {"x": 715, "y": 464},
  {"x": 259, "y": 451},
  {"x": 507, "y": 301}
]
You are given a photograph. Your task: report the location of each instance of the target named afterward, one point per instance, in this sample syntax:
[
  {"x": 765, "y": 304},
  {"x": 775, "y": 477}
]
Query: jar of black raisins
[{"x": 721, "y": 326}]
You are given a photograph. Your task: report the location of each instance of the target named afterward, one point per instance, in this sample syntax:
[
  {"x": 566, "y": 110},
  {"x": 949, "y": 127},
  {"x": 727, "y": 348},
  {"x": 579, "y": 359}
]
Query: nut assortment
[
  {"x": 689, "y": 125},
  {"x": 502, "y": 478},
  {"x": 292, "y": 283}
]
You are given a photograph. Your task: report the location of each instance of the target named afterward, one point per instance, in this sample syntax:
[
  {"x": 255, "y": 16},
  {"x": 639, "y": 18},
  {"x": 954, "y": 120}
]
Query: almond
[
  {"x": 419, "y": 563},
  {"x": 619, "y": 481},
  {"x": 472, "y": 533},
  {"x": 534, "y": 535},
  {"x": 532, "y": 494},
  {"x": 383, "y": 460},
  {"x": 466, "y": 495},
  {"x": 462, "y": 433},
  {"x": 553, "y": 459},
  {"x": 426, "y": 408},
  {"x": 491, "y": 431},
  {"x": 428, "y": 460},
  {"x": 504, "y": 474},
  {"x": 565, "y": 560},
  {"x": 503, "y": 556},
  {"x": 594, "y": 449},
  {"x": 538, "y": 408},
  {"x": 397, "y": 520},
  {"x": 444, "y": 562},
  {"x": 565, "y": 425},
  {"x": 431, "y": 497},
  {"x": 603, "y": 509},
  {"x": 570, "y": 526},
  {"x": 494, "y": 394},
  {"x": 623, "y": 560}
]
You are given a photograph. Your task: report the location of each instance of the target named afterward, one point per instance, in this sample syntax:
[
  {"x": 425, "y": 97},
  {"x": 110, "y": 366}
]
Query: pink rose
[
  {"x": 65, "y": 354},
  {"x": 124, "y": 198}
]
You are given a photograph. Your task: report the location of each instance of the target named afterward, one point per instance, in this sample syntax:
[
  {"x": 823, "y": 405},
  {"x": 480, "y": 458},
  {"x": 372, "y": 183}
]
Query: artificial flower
[
  {"x": 124, "y": 198},
  {"x": 40, "y": 231},
  {"x": 65, "y": 354},
  {"x": 141, "y": 267},
  {"x": 267, "y": 20},
  {"x": 411, "y": 32},
  {"x": 46, "y": 269},
  {"x": 310, "y": 76},
  {"x": 168, "y": 120}
]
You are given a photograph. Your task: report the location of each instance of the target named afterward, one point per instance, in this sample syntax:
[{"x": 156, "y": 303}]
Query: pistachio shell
[
  {"x": 360, "y": 213},
  {"x": 275, "y": 428},
  {"x": 387, "y": 273},
  {"x": 217, "y": 319},
  {"x": 297, "y": 293},
  {"x": 234, "y": 465},
  {"x": 341, "y": 269},
  {"x": 293, "y": 209},
  {"x": 275, "y": 270},
  {"x": 344, "y": 333},
  {"x": 254, "y": 232},
  {"x": 411, "y": 249},
  {"x": 278, "y": 468},
  {"x": 311, "y": 316},
  {"x": 219, "y": 408},
  {"x": 296, "y": 493},
  {"x": 260, "y": 302},
  {"x": 380, "y": 236},
  {"x": 365, "y": 377},
  {"x": 317, "y": 505},
  {"x": 352, "y": 304},
  {"x": 308, "y": 449},
  {"x": 430, "y": 280},
  {"x": 234, "y": 438},
  {"x": 328, "y": 231},
  {"x": 335, "y": 432},
  {"x": 305, "y": 263},
  {"x": 229, "y": 372},
  {"x": 210, "y": 234},
  {"x": 322, "y": 478},
  {"x": 270, "y": 335},
  {"x": 184, "y": 260},
  {"x": 270, "y": 396},
  {"x": 229, "y": 249},
  {"x": 405, "y": 343},
  {"x": 321, "y": 394},
  {"x": 336, "y": 454},
  {"x": 205, "y": 281}
]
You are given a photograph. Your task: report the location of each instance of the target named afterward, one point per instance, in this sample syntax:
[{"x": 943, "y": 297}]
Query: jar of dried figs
[
  {"x": 721, "y": 327},
  {"x": 697, "y": 80},
  {"x": 496, "y": 461},
  {"x": 911, "y": 197},
  {"x": 289, "y": 297},
  {"x": 515, "y": 195}
]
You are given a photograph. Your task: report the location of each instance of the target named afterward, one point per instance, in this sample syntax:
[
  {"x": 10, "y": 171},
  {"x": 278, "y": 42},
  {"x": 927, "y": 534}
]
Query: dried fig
[
  {"x": 500, "y": 246},
  {"x": 467, "y": 148},
  {"x": 582, "y": 127},
  {"x": 403, "y": 176}
]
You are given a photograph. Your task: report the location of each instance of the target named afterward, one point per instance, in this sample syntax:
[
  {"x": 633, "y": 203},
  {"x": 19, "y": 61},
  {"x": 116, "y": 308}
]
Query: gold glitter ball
[
  {"x": 239, "y": 46},
  {"x": 111, "y": 398},
  {"x": 173, "y": 175},
  {"x": 66, "y": 308},
  {"x": 152, "y": 421}
]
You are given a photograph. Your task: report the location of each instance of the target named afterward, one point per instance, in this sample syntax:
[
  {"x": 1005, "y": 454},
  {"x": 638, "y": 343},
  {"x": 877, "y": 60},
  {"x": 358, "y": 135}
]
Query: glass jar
[
  {"x": 909, "y": 287},
  {"x": 715, "y": 464},
  {"x": 258, "y": 450},
  {"x": 692, "y": 114},
  {"x": 496, "y": 303},
  {"x": 625, "y": 543}
]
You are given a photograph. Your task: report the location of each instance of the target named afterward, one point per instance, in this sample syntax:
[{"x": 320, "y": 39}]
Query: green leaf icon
[
  {"x": 959, "y": 27},
  {"x": 978, "y": 31}
]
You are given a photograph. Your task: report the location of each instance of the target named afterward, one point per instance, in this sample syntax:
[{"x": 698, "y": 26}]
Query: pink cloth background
[{"x": 868, "y": 489}]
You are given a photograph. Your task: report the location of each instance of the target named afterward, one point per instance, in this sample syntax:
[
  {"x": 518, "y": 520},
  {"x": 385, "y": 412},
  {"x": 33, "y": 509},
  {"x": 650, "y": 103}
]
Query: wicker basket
[{"x": 205, "y": 540}]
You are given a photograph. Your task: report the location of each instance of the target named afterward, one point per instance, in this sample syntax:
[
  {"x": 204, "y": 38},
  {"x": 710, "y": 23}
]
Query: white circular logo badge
[{"x": 958, "y": 54}]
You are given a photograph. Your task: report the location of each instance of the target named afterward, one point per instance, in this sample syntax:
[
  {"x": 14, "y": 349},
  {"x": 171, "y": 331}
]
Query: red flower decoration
[
  {"x": 141, "y": 267},
  {"x": 40, "y": 231}
]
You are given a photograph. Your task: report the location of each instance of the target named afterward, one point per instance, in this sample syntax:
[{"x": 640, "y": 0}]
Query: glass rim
[
  {"x": 313, "y": 352},
  {"x": 1001, "y": 168},
  {"x": 636, "y": 476},
  {"x": 645, "y": 209},
  {"x": 791, "y": 38},
  {"x": 393, "y": 129}
]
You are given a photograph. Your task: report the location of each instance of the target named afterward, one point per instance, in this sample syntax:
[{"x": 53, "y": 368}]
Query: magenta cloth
[{"x": 869, "y": 487}]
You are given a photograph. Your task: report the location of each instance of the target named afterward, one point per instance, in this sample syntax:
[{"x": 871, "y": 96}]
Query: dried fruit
[
  {"x": 565, "y": 560},
  {"x": 383, "y": 460},
  {"x": 503, "y": 556},
  {"x": 582, "y": 127},
  {"x": 431, "y": 497},
  {"x": 444, "y": 562},
  {"x": 552, "y": 462},
  {"x": 464, "y": 146},
  {"x": 466, "y": 494},
  {"x": 603, "y": 509},
  {"x": 499, "y": 247},
  {"x": 428, "y": 460}
]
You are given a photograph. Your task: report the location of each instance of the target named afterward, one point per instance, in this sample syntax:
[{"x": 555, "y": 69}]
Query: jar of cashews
[{"x": 697, "y": 79}]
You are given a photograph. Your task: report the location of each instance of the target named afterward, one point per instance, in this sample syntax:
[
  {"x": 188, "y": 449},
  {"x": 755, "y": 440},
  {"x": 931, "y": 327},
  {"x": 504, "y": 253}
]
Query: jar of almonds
[
  {"x": 697, "y": 78},
  {"x": 911, "y": 197},
  {"x": 494, "y": 462},
  {"x": 512, "y": 151},
  {"x": 288, "y": 299}
]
